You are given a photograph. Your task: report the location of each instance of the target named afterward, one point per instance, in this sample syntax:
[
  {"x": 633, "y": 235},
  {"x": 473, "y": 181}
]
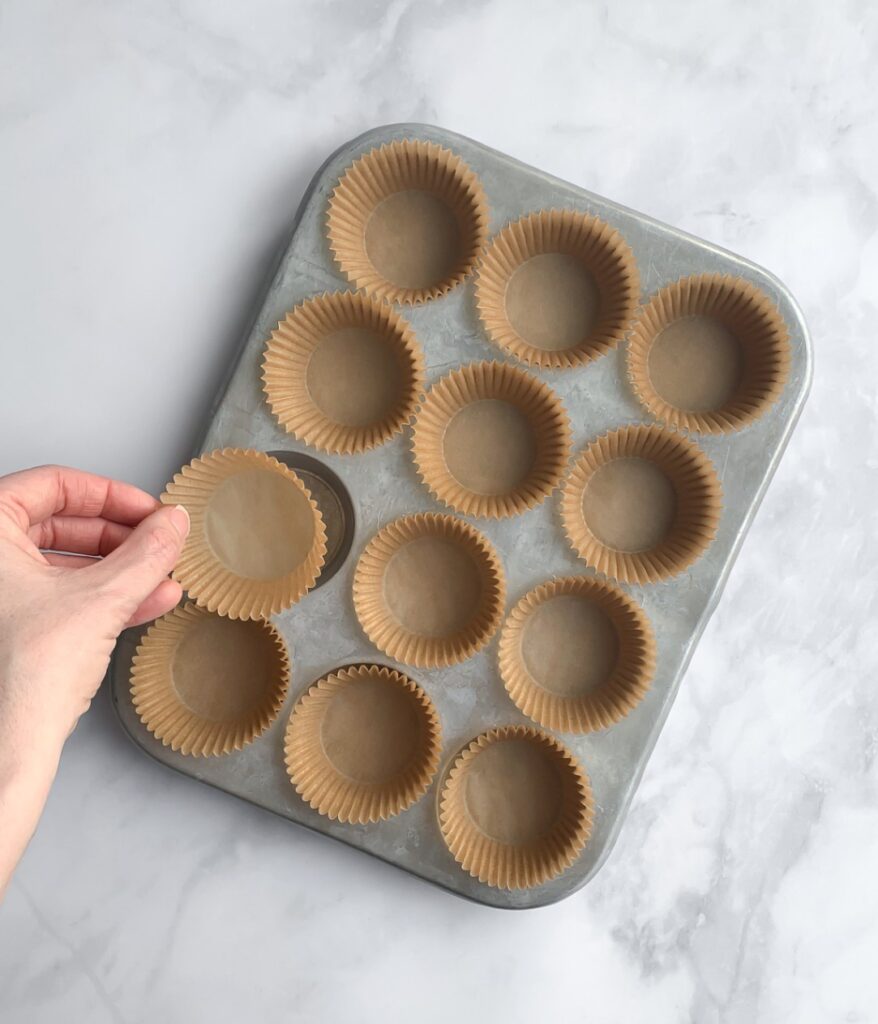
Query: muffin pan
[{"x": 434, "y": 715}]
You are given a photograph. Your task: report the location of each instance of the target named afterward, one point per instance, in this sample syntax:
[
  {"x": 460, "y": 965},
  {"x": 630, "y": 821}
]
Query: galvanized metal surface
[{"x": 322, "y": 630}]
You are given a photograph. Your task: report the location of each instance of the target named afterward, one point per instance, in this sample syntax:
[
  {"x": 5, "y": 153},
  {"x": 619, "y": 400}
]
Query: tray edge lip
[{"x": 379, "y": 134}]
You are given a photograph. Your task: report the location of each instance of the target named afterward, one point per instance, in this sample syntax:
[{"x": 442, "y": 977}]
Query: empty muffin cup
[
  {"x": 577, "y": 654},
  {"x": 429, "y": 590},
  {"x": 408, "y": 221},
  {"x": 334, "y": 504},
  {"x": 491, "y": 440},
  {"x": 343, "y": 372},
  {"x": 363, "y": 744},
  {"x": 641, "y": 504},
  {"x": 557, "y": 288},
  {"x": 516, "y": 808},
  {"x": 257, "y": 541},
  {"x": 709, "y": 353},
  {"x": 206, "y": 685}
]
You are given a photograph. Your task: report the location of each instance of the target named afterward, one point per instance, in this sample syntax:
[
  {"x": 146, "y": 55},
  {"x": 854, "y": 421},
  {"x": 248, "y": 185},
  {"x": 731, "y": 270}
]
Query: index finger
[{"x": 33, "y": 495}]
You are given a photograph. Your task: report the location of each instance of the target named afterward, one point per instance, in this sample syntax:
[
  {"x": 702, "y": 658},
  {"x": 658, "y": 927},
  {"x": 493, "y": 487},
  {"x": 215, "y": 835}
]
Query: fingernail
[{"x": 180, "y": 518}]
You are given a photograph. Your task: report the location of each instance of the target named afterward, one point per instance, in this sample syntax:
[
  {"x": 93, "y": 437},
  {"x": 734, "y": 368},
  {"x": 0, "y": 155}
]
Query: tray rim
[{"x": 379, "y": 134}]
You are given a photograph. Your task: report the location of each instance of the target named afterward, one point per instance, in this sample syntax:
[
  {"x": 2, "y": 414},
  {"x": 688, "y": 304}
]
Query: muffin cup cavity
[
  {"x": 557, "y": 288},
  {"x": 491, "y": 440},
  {"x": 516, "y": 808},
  {"x": 641, "y": 504},
  {"x": 363, "y": 744},
  {"x": 709, "y": 353},
  {"x": 408, "y": 221},
  {"x": 429, "y": 590},
  {"x": 206, "y": 685},
  {"x": 576, "y": 654},
  {"x": 343, "y": 372}
]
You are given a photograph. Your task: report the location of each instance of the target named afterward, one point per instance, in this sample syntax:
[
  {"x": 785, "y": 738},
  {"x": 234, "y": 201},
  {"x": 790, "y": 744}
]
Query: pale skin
[{"x": 60, "y": 615}]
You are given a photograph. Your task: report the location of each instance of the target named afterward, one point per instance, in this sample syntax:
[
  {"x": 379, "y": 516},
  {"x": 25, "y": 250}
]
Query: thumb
[{"x": 138, "y": 565}]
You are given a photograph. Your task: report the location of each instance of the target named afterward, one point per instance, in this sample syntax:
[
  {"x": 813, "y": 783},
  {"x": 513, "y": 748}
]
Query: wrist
[
  {"x": 24, "y": 788},
  {"x": 25, "y": 781},
  {"x": 28, "y": 756}
]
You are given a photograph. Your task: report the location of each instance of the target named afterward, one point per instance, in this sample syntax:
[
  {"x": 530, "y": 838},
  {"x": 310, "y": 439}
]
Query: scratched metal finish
[{"x": 322, "y": 631}]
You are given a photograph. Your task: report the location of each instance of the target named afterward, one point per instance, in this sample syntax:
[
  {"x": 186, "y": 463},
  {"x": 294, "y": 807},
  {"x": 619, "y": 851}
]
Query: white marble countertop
[{"x": 153, "y": 157}]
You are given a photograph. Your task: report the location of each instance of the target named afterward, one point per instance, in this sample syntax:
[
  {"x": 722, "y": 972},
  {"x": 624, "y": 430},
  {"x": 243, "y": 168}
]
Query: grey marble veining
[{"x": 153, "y": 159}]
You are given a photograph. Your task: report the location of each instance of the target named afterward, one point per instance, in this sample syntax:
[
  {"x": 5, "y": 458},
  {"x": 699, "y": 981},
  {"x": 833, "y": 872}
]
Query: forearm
[
  {"x": 60, "y": 616},
  {"x": 25, "y": 780}
]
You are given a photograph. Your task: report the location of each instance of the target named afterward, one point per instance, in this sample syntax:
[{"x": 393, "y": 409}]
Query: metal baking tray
[{"x": 322, "y": 631}]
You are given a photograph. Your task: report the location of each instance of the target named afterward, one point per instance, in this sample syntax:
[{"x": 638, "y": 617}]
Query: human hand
[{"x": 60, "y": 615}]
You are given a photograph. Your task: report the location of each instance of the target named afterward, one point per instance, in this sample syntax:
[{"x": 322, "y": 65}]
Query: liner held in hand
[{"x": 257, "y": 540}]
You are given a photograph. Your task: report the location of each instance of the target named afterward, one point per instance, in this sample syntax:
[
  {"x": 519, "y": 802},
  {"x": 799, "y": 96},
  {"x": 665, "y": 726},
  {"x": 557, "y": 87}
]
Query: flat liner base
[
  {"x": 491, "y": 440},
  {"x": 577, "y": 654},
  {"x": 709, "y": 353},
  {"x": 206, "y": 685},
  {"x": 641, "y": 504},
  {"x": 429, "y": 590},
  {"x": 516, "y": 808},
  {"x": 407, "y": 221},
  {"x": 557, "y": 288},
  {"x": 363, "y": 744}
]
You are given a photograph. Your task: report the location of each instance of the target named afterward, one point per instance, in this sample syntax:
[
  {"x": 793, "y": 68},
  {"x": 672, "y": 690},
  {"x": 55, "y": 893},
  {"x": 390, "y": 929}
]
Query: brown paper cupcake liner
[
  {"x": 709, "y": 353},
  {"x": 654, "y": 511},
  {"x": 516, "y": 808},
  {"x": 408, "y": 221},
  {"x": 429, "y": 590},
  {"x": 257, "y": 540},
  {"x": 557, "y": 288},
  {"x": 577, "y": 654},
  {"x": 206, "y": 685},
  {"x": 343, "y": 372},
  {"x": 491, "y": 440},
  {"x": 363, "y": 744}
]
